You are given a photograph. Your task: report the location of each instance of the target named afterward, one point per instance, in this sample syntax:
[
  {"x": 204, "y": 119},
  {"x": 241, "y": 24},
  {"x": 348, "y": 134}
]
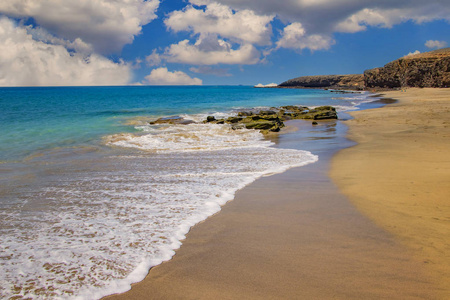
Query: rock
[
  {"x": 270, "y": 124},
  {"x": 267, "y": 112},
  {"x": 325, "y": 115},
  {"x": 318, "y": 113},
  {"x": 262, "y": 124},
  {"x": 210, "y": 119},
  {"x": 292, "y": 108},
  {"x": 315, "y": 123},
  {"x": 325, "y": 107},
  {"x": 429, "y": 69},
  {"x": 172, "y": 120},
  {"x": 234, "y": 119},
  {"x": 245, "y": 113}
]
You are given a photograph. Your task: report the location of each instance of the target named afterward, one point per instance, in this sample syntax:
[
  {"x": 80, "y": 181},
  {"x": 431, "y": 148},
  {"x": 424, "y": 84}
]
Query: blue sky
[{"x": 209, "y": 42}]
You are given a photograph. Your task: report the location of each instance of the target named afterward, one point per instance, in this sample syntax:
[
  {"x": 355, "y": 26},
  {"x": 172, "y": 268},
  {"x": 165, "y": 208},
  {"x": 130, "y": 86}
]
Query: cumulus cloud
[
  {"x": 311, "y": 23},
  {"x": 25, "y": 61},
  {"x": 412, "y": 53},
  {"x": 210, "y": 50},
  {"x": 366, "y": 17},
  {"x": 107, "y": 25},
  {"x": 153, "y": 59},
  {"x": 241, "y": 26},
  {"x": 294, "y": 36},
  {"x": 327, "y": 16},
  {"x": 162, "y": 76},
  {"x": 435, "y": 44}
]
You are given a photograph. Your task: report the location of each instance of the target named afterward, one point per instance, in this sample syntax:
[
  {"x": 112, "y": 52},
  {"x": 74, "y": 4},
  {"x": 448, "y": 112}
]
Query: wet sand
[
  {"x": 399, "y": 173},
  {"x": 291, "y": 236}
]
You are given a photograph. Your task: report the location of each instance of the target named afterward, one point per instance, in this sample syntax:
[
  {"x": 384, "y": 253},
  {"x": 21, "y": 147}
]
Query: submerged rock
[{"x": 172, "y": 120}]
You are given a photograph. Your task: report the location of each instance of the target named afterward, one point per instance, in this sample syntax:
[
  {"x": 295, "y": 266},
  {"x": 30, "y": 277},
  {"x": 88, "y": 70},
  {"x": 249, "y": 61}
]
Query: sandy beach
[
  {"x": 399, "y": 173},
  {"x": 297, "y": 235}
]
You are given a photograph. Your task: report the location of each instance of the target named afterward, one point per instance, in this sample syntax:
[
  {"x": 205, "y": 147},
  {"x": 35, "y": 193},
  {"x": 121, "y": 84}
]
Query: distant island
[{"x": 429, "y": 69}]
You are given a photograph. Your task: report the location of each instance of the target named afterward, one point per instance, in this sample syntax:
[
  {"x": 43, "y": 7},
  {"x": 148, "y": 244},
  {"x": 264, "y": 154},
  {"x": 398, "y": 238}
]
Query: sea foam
[{"x": 99, "y": 226}]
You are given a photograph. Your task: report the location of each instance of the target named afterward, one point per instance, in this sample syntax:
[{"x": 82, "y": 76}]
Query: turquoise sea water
[
  {"x": 92, "y": 196},
  {"x": 36, "y": 119}
]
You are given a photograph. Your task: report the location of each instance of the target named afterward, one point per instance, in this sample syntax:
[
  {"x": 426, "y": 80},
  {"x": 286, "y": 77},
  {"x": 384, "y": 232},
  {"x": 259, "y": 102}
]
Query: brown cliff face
[
  {"x": 327, "y": 81},
  {"x": 430, "y": 69}
]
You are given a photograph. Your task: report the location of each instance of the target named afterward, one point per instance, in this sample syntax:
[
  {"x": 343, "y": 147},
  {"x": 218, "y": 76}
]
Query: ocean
[{"x": 92, "y": 196}]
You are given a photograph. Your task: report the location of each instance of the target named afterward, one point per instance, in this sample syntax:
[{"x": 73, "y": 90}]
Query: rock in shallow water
[{"x": 273, "y": 120}]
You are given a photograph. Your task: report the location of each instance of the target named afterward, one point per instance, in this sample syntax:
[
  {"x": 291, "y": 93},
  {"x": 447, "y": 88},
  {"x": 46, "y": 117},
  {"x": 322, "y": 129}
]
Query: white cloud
[
  {"x": 294, "y": 36},
  {"x": 360, "y": 20},
  {"x": 162, "y": 76},
  {"x": 241, "y": 26},
  {"x": 28, "y": 62},
  {"x": 153, "y": 59},
  {"x": 412, "y": 53},
  {"x": 327, "y": 16},
  {"x": 436, "y": 44},
  {"x": 211, "y": 51},
  {"x": 107, "y": 25}
]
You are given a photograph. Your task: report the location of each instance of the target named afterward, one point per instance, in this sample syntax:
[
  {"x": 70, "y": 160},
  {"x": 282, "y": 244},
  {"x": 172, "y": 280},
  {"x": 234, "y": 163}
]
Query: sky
[{"x": 209, "y": 42}]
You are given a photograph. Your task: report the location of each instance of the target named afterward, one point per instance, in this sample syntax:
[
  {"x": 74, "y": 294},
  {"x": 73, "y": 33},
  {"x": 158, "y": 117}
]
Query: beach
[
  {"x": 399, "y": 173},
  {"x": 321, "y": 231}
]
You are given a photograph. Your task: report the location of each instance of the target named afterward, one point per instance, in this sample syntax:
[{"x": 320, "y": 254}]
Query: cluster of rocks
[
  {"x": 273, "y": 120},
  {"x": 266, "y": 121}
]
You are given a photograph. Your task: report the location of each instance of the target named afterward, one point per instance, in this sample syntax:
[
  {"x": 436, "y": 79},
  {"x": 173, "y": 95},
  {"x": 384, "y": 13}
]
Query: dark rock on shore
[
  {"x": 430, "y": 69},
  {"x": 352, "y": 82},
  {"x": 273, "y": 120}
]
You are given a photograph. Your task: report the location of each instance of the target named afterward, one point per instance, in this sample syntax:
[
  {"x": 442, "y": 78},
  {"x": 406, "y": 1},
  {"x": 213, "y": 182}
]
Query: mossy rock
[
  {"x": 262, "y": 125},
  {"x": 233, "y": 120}
]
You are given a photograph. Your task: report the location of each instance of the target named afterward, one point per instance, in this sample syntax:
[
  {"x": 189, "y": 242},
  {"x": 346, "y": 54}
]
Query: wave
[{"x": 98, "y": 227}]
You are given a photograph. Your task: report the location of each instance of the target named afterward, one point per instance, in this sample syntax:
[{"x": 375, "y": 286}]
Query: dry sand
[
  {"x": 399, "y": 173},
  {"x": 291, "y": 236}
]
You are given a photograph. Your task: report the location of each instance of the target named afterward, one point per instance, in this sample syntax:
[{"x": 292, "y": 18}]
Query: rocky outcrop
[
  {"x": 172, "y": 120},
  {"x": 430, "y": 69},
  {"x": 266, "y": 121},
  {"x": 352, "y": 82},
  {"x": 273, "y": 120}
]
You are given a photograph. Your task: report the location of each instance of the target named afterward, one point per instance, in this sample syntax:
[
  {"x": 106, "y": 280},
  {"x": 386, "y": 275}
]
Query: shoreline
[
  {"x": 247, "y": 250},
  {"x": 398, "y": 174}
]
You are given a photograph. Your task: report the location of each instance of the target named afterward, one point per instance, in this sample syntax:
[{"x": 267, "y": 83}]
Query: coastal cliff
[
  {"x": 429, "y": 69},
  {"x": 354, "y": 81}
]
